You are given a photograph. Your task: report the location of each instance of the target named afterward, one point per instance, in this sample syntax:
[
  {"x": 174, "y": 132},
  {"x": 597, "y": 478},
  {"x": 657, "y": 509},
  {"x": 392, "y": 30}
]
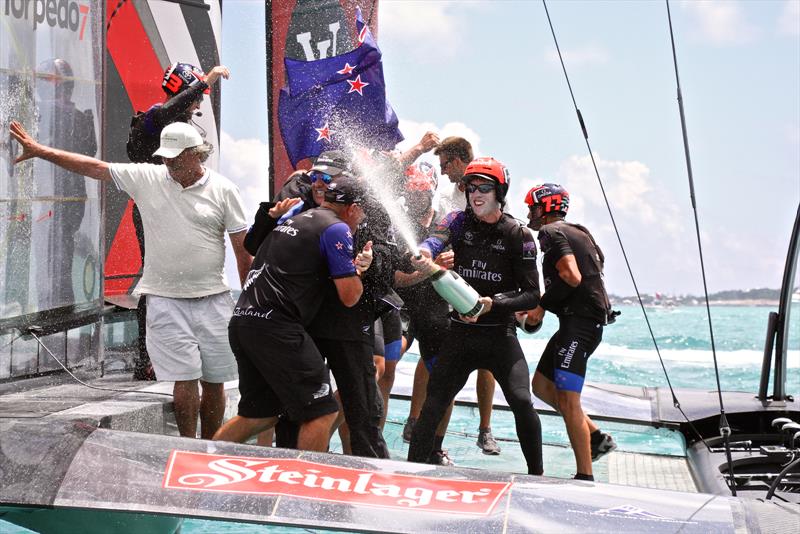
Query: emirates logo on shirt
[{"x": 197, "y": 471}]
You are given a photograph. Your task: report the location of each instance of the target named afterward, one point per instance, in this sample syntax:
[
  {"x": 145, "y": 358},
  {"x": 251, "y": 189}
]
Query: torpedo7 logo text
[{"x": 66, "y": 14}]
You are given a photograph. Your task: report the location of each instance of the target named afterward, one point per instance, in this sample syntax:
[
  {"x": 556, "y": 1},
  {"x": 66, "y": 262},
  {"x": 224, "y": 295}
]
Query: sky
[{"x": 489, "y": 71}]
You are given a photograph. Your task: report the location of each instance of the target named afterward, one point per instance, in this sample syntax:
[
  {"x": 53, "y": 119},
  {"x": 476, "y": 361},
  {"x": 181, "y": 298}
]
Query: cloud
[
  {"x": 246, "y": 163},
  {"x": 789, "y": 19},
  {"x": 651, "y": 223},
  {"x": 423, "y": 26},
  {"x": 721, "y": 23},
  {"x": 587, "y": 55}
]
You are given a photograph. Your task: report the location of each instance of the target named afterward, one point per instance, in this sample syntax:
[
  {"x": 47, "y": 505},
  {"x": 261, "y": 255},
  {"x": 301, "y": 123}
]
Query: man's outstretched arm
[{"x": 71, "y": 161}]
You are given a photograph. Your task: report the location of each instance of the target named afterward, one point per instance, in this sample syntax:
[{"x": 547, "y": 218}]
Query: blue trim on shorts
[
  {"x": 391, "y": 351},
  {"x": 429, "y": 364},
  {"x": 566, "y": 381}
]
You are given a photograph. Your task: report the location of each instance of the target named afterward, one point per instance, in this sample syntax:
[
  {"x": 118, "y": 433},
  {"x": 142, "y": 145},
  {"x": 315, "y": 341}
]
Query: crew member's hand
[
  {"x": 214, "y": 74},
  {"x": 535, "y": 316},
  {"x": 30, "y": 148},
  {"x": 446, "y": 259},
  {"x": 487, "y": 306},
  {"x": 364, "y": 258},
  {"x": 423, "y": 263},
  {"x": 282, "y": 206},
  {"x": 428, "y": 142}
]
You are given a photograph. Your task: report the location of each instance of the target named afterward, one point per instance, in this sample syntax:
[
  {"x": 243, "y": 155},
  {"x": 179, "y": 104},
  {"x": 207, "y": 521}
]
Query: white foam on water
[{"x": 737, "y": 358}]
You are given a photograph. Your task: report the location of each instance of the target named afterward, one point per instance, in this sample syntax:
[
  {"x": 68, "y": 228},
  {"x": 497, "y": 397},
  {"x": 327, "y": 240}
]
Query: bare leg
[
  {"x": 212, "y": 408},
  {"x": 546, "y": 391},
  {"x": 186, "y": 400},
  {"x": 484, "y": 388},
  {"x": 569, "y": 403},
  {"x": 339, "y": 423},
  {"x": 266, "y": 438},
  {"x": 239, "y": 429},
  {"x": 385, "y": 383},
  {"x": 314, "y": 434}
]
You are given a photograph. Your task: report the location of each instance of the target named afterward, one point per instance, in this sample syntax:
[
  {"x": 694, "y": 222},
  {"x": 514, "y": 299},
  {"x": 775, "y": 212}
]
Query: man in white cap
[{"x": 186, "y": 210}]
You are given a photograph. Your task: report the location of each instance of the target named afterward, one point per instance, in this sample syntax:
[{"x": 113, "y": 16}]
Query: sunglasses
[
  {"x": 483, "y": 188},
  {"x": 445, "y": 163},
  {"x": 316, "y": 175}
]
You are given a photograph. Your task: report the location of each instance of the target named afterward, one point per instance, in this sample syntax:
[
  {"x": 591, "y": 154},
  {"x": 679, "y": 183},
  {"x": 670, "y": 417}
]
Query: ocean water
[{"x": 626, "y": 356}]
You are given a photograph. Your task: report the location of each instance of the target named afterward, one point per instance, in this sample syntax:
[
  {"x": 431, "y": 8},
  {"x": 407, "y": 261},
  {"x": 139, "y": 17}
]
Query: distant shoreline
[{"x": 763, "y": 303}]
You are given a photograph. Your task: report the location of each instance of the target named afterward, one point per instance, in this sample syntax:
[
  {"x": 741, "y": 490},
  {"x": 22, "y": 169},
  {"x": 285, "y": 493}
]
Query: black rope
[
  {"x": 32, "y": 333},
  {"x": 675, "y": 401},
  {"x": 724, "y": 427}
]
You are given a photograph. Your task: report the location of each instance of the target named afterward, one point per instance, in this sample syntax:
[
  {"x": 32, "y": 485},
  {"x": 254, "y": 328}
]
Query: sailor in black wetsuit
[
  {"x": 496, "y": 255},
  {"x": 185, "y": 86},
  {"x": 280, "y": 367},
  {"x": 574, "y": 291}
]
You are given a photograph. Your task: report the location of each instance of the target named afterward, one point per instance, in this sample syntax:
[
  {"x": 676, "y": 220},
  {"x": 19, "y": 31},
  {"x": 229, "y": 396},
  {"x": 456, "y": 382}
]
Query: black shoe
[{"x": 602, "y": 447}]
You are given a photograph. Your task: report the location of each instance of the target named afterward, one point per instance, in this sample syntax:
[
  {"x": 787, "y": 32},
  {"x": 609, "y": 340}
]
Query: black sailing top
[
  {"x": 293, "y": 266},
  {"x": 589, "y": 299},
  {"x": 497, "y": 260}
]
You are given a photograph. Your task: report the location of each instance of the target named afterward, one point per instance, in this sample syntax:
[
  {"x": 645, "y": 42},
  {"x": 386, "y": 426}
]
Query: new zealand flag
[{"x": 337, "y": 102}]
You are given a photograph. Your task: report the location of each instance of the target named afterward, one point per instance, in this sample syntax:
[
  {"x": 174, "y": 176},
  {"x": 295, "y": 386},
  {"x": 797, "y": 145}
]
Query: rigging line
[
  {"x": 31, "y": 333},
  {"x": 724, "y": 427},
  {"x": 675, "y": 401}
]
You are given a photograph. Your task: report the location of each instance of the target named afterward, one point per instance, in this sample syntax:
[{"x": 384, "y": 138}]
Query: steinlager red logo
[{"x": 309, "y": 480}]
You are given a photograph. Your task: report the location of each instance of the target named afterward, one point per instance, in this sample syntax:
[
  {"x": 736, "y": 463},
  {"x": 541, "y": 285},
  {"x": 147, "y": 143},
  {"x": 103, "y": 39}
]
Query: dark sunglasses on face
[
  {"x": 483, "y": 188},
  {"x": 316, "y": 175},
  {"x": 444, "y": 163}
]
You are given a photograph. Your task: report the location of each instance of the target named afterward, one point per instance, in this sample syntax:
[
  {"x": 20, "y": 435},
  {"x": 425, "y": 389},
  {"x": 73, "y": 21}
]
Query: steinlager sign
[{"x": 309, "y": 480}]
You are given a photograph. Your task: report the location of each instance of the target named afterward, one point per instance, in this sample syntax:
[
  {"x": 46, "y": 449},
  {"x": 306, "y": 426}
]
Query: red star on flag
[
  {"x": 363, "y": 34},
  {"x": 324, "y": 133},
  {"x": 339, "y": 245},
  {"x": 346, "y": 70},
  {"x": 357, "y": 85}
]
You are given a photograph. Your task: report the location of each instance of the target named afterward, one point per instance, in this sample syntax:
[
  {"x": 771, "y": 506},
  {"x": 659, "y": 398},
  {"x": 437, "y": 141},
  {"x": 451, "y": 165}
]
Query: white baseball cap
[{"x": 177, "y": 137}]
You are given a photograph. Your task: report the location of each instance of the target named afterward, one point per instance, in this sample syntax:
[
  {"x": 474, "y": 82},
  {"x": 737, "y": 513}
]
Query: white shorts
[{"x": 187, "y": 339}]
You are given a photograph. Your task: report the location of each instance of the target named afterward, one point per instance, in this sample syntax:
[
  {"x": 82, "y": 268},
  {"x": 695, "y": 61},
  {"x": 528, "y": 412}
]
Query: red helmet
[
  {"x": 421, "y": 176},
  {"x": 552, "y": 197},
  {"x": 489, "y": 169},
  {"x": 180, "y": 76}
]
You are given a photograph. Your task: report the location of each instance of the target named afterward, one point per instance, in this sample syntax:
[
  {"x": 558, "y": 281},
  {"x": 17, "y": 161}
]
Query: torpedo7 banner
[
  {"x": 50, "y": 223},
  {"x": 305, "y": 30}
]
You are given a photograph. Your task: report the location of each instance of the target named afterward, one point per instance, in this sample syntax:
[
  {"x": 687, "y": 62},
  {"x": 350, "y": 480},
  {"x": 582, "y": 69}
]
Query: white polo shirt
[{"x": 184, "y": 229}]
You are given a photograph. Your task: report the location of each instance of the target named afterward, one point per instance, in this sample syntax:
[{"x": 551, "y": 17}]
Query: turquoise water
[{"x": 626, "y": 356}]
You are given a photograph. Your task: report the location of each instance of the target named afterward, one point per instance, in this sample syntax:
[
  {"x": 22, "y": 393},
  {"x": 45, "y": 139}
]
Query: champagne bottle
[{"x": 455, "y": 290}]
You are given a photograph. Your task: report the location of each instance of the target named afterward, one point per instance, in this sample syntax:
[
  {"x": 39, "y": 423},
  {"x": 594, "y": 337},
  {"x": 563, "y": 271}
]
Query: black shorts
[
  {"x": 388, "y": 335},
  {"x": 564, "y": 359},
  {"x": 280, "y": 370}
]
